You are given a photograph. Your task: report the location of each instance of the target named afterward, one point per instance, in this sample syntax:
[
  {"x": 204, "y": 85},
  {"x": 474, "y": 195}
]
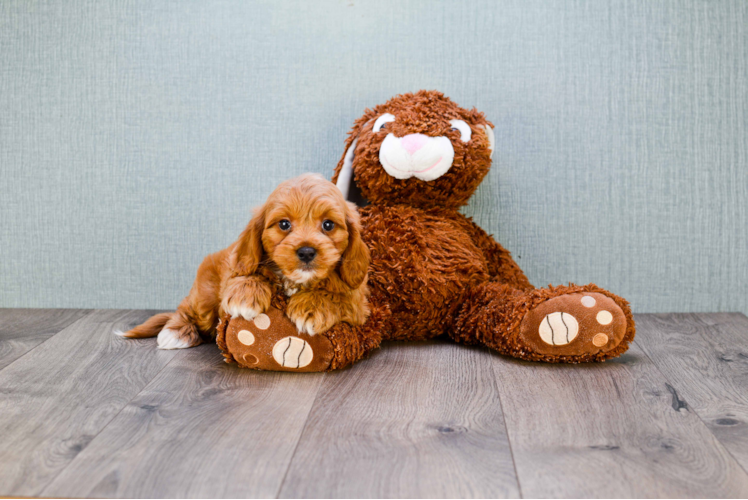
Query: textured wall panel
[{"x": 136, "y": 136}]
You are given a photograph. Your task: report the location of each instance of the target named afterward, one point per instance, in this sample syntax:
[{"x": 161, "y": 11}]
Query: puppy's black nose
[{"x": 306, "y": 254}]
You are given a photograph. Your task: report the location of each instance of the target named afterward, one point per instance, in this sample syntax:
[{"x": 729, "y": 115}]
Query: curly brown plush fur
[{"x": 435, "y": 272}]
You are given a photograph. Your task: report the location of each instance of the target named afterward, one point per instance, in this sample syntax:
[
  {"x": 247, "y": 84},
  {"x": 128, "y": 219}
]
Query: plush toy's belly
[{"x": 423, "y": 262}]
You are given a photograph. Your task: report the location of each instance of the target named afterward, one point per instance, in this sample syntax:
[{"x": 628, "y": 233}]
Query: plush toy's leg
[
  {"x": 271, "y": 342},
  {"x": 564, "y": 324},
  {"x": 352, "y": 343}
]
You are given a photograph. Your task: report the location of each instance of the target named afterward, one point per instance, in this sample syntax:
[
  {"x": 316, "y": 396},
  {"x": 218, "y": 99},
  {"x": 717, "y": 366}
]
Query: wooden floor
[{"x": 86, "y": 414}]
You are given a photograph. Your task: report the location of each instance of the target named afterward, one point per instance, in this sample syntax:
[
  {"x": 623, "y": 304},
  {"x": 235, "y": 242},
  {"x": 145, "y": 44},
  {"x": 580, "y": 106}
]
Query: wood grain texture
[
  {"x": 202, "y": 428},
  {"x": 616, "y": 429},
  {"x": 705, "y": 357},
  {"x": 87, "y": 414},
  {"x": 59, "y": 396},
  {"x": 23, "y": 329},
  {"x": 415, "y": 420}
]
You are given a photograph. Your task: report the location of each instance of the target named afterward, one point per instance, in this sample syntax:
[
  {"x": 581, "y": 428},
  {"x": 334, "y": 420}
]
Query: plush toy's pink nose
[{"x": 413, "y": 142}]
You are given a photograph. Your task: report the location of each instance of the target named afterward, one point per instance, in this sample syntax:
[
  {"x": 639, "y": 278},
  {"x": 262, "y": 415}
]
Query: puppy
[{"x": 305, "y": 239}]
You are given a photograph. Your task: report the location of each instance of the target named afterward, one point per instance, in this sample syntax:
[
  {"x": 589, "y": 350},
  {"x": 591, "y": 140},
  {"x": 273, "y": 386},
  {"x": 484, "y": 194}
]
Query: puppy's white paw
[
  {"x": 305, "y": 326},
  {"x": 300, "y": 325},
  {"x": 236, "y": 310},
  {"x": 171, "y": 339},
  {"x": 310, "y": 328}
]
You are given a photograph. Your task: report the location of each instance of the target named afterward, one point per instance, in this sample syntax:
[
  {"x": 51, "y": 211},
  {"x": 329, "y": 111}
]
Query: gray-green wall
[{"x": 136, "y": 136}]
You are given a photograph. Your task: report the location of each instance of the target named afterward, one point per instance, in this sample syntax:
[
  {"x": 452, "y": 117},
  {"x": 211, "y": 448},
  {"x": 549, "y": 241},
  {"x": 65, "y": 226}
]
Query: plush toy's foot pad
[
  {"x": 271, "y": 342},
  {"x": 574, "y": 324}
]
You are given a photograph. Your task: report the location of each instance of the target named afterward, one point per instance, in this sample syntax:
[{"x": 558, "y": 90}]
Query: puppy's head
[{"x": 309, "y": 231}]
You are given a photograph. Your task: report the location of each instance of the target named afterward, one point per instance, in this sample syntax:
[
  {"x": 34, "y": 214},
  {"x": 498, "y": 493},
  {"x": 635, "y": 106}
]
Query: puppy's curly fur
[{"x": 307, "y": 239}]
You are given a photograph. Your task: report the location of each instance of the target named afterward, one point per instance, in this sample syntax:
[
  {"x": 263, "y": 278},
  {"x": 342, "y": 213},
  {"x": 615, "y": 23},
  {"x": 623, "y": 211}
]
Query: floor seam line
[
  {"x": 301, "y": 435},
  {"x": 506, "y": 428}
]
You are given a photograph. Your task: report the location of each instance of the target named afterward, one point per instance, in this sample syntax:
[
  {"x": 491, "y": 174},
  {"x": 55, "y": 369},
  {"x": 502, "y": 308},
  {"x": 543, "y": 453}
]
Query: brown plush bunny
[
  {"x": 417, "y": 159},
  {"x": 413, "y": 162}
]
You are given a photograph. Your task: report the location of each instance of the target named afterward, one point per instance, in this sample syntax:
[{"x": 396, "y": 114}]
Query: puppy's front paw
[
  {"x": 235, "y": 309},
  {"x": 245, "y": 296},
  {"x": 305, "y": 326},
  {"x": 311, "y": 320}
]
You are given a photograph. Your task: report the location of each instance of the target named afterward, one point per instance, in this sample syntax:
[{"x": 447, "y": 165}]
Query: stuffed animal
[
  {"x": 416, "y": 160},
  {"x": 412, "y": 163}
]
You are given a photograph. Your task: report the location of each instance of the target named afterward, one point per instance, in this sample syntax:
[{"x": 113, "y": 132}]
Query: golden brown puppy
[{"x": 306, "y": 238}]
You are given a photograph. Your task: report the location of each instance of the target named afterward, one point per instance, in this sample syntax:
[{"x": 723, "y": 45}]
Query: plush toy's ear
[
  {"x": 249, "y": 252},
  {"x": 345, "y": 176},
  {"x": 491, "y": 139},
  {"x": 355, "y": 260}
]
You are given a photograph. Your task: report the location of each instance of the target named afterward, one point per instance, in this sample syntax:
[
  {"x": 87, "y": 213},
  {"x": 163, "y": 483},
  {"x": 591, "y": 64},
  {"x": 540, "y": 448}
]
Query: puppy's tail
[{"x": 150, "y": 328}]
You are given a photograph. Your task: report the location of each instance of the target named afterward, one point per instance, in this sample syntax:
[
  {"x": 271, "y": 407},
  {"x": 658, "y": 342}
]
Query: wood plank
[
  {"x": 23, "y": 329},
  {"x": 705, "y": 357},
  {"x": 202, "y": 428},
  {"x": 614, "y": 429},
  {"x": 415, "y": 420},
  {"x": 57, "y": 397}
]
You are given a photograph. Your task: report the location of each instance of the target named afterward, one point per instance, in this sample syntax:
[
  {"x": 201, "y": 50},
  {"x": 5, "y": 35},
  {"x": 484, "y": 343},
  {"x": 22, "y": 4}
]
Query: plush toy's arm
[{"x": 501, "y": 265}]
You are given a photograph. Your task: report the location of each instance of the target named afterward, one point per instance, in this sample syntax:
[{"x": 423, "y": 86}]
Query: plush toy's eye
[
  {"x": 464, "y": 128},
  {"x": 328, "y": 225},
  {"x": 381, "y": 121},
  {"x": 284, "y": 225}
]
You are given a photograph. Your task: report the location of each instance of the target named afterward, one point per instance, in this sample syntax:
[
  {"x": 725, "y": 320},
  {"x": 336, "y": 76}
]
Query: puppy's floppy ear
[
  {"x": 355, "y": 260},
  {"x": 249, "y": 252}
]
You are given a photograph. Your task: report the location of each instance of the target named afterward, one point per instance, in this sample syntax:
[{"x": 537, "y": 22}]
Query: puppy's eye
[
  {"x": 464, "y": 128},
  {"x": 284, "y": 225},
  {"x": 328, "y": 225},
  {"x": 382, "y": 121}
]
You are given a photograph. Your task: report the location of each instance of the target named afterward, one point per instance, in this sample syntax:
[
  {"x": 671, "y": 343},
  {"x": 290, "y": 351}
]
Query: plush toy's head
[{"x": 419, "y": 149}]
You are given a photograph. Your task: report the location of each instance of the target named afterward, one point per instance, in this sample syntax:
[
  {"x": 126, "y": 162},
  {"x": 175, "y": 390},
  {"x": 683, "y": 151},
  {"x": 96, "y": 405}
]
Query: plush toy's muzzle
[{"x": 416, "y": 155}]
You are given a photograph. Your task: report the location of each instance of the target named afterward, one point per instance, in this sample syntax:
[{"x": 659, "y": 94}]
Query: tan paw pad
[
  {"x": 558, "y": 328},
  {"x": 250, "y": 359},
  {"x": 292, "y": 352},
  {"x": 262, "y": 321},
  {"x": 599, "y": 340},
  {"x": 588, "y": 301},
  {"x": 604, "y": 317},
  {"x": 246, "y": 337}
]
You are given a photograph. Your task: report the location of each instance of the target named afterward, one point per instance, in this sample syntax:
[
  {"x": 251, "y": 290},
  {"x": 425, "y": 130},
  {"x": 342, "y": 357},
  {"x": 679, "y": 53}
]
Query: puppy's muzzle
[{"x": 306, "y": 254}]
